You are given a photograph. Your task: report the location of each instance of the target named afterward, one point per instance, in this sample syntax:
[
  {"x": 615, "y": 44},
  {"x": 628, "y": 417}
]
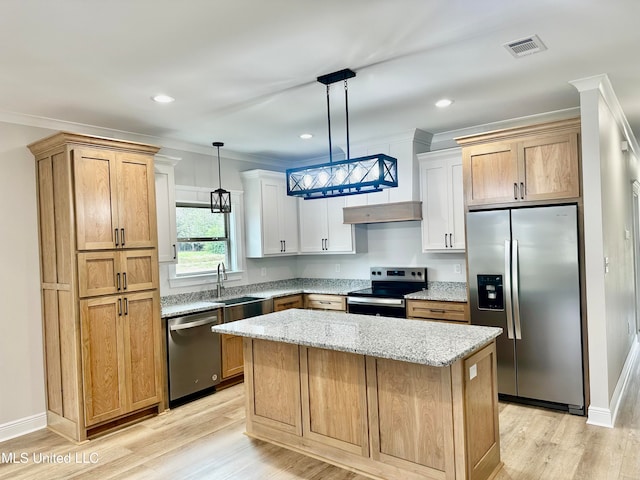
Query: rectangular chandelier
[{"x": 347, "y": 177}]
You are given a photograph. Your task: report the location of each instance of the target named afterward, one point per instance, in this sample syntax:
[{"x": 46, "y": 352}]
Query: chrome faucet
[{"x": 221, "y": 278}]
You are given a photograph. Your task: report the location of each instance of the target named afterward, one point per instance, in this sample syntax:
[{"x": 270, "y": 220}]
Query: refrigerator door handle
[
  {"x": 507, "y": 288},
  {"x": 516, "y": 292}
]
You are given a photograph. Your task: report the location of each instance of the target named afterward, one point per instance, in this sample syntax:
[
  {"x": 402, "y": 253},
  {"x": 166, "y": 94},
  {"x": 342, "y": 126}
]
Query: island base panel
[{"x": 438, "y": 423}]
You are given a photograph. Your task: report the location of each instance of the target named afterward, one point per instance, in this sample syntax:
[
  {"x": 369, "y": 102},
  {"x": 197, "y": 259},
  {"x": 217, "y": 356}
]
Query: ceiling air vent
[{"x": 525, "y": 46}]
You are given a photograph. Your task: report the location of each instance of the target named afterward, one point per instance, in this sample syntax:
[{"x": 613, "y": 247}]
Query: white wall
[
  {"x": 388, "y": 244},
  {"x": 608, "y": 227},
  {"x": 21, "y": 361}
]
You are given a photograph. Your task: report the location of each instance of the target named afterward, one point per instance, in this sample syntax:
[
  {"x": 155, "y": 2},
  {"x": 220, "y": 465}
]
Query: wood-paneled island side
[{"x": 384, "y": 397}]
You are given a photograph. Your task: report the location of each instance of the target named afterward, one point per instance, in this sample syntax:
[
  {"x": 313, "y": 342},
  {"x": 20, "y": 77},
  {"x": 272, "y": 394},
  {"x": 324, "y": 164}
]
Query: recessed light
[
  {"x": 306, "y": 136},
  {"x": 161, "y": 98},
  {"x": 445, "y": 102}
]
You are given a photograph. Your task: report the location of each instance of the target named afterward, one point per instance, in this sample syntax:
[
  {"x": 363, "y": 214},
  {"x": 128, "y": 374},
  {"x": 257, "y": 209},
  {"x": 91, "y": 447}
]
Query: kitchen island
[{"x": 384, "y": 397}]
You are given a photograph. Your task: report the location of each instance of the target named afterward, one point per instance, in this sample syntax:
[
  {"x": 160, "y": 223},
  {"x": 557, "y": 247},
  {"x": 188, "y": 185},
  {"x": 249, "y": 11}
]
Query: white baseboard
[
  {"x": 600, "y": 417},
  {"x": 23, "y": 426},
  {"x": 606, "y": 417}
]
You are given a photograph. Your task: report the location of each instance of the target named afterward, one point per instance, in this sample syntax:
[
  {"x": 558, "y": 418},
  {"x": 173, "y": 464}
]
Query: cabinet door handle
[
  {"x": 522, "y": 190},
  {"x": 451, "y": 240},
  {"x": 445, "y": 241},
  {"x": 515, "y": 191},
  {"x": 117, "y": 237},
  {"x": 122, "y": 231},
  {"x": 124, "y": 278},
  {"x": 118, "y": 280},
  {"x": 284, "y": 245},
  {"x": 175, "y": 252},
  {"x": 119, "y": 307},
  {"x": 126, "y": 306},
  {"x": 437, "y": 310}
]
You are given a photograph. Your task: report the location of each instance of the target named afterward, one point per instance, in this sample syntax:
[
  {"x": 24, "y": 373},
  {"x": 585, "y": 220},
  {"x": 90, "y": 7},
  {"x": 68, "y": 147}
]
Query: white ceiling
[{"x": 244, "y": 71}]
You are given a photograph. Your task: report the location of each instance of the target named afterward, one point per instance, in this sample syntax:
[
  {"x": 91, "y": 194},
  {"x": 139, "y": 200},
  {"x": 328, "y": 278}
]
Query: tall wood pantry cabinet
[{"x": 99, "y": 282}]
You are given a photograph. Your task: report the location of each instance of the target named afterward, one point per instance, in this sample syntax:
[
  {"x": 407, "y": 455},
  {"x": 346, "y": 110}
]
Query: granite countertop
[
  {"x": 187, "y": 308},
  {"x": 442, "y": 292},
  {"x": 184, "y": 304},
  {"x": 428, "y": 343}
]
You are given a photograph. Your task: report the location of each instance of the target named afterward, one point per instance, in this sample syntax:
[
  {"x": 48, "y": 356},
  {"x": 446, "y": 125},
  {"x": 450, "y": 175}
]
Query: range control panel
[{"x": 389, "y": 274}]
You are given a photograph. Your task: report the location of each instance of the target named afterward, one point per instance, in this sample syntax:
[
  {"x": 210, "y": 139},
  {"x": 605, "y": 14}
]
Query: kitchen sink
[
  {"x": 237, "y": 300},
  {"x": 245, "y": 307}
]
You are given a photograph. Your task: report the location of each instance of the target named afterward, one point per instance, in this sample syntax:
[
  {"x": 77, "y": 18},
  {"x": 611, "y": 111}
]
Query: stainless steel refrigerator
[{"x": 524, "y": 277}]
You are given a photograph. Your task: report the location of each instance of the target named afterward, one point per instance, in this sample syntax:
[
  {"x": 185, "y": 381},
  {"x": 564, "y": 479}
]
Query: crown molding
[
  {"x": 450, "y": 136},
  {"x": 603, "y": 85},
  {"x": 168, "y": 143}
]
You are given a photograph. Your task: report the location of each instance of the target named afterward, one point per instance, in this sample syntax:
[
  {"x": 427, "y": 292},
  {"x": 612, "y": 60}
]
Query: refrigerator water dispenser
[{"x": 490, "y": 292}]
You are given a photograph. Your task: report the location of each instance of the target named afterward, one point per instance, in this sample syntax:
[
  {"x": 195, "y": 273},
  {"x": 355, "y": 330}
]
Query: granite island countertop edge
[{"x": 436, "y": 344}]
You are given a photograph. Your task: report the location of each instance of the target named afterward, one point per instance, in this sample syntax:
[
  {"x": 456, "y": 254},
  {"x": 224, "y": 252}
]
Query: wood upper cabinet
[
  {"x": 526, "y": 164},
  {"x": 109, "y": 272},
  {"x": 120, "y": 354},
  {"x": 442, "y": 201},
  {"x": 115, "y": 200}
]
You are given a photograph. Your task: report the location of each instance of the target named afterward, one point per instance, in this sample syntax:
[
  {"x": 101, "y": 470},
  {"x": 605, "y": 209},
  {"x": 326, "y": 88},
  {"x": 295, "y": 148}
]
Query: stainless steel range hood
[{"x": 382, "y": 213}]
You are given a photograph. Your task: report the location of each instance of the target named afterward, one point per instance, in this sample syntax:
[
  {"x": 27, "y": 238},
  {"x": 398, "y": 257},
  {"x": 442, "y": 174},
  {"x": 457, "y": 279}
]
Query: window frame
[
  {"x": 226, "y": 239},
  {"x": 235, "y": 270}
]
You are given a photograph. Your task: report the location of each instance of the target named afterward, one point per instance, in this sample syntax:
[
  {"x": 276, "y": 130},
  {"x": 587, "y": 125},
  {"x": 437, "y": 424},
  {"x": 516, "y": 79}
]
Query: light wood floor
[{"x": 204, "y": 440}]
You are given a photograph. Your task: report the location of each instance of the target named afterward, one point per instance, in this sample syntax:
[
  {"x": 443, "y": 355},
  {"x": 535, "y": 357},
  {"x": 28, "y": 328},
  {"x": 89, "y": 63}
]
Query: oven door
[{"x": 385, "y": 307}]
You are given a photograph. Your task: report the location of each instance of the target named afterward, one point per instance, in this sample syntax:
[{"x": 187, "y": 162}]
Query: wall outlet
[
  {"x": 457, "y": 268},
  {"x": 337, "y": 268},
  {"x": 263, "y": 272}
]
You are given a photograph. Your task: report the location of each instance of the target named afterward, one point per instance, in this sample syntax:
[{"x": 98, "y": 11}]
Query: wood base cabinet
[
  {"x": 382, "y": 418},
  {"x": 431, "y": 310},
  {"x": 119, "y": 354},
  {"x": 318, "y": 301},
  {"x": 290, "y": 301},
  {"x": 99, "y": 281},
  {"x": 232, "y": 358}
]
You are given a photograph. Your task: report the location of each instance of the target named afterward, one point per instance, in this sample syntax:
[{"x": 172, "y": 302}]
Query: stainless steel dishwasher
[{"x": 193, "y": 352}]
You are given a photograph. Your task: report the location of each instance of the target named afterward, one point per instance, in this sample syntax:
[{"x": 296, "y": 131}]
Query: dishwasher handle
[{"x": 198, "y": 323}]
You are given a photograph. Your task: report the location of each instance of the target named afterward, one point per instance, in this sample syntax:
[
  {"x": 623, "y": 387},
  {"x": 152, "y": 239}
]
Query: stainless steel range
[{"x": 389, "y": 285}]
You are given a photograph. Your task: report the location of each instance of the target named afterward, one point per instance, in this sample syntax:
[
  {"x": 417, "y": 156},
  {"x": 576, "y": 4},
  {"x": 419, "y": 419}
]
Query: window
[{"x": 203, "y": 239}]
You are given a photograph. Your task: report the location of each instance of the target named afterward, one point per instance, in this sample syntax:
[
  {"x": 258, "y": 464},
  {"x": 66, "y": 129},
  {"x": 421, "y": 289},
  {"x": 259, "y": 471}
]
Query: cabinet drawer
[
  {"x": 291, "y": 301},
  {"x": 450, "y": 311},
  {"x": 325, "y": 302}
]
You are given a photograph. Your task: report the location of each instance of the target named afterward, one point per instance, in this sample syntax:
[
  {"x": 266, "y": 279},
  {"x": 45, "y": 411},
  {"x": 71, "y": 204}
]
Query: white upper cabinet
[
  {"x": 271, "y": 217},
  {"x": 321, "y": 226},
  {"x": 442, "y": 201},
  {"x": 166, "y": 208},
  {"x": 404, "y": 148}
]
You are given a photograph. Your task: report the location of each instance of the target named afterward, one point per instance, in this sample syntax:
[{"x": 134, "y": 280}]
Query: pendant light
[
  {"x": 220, "y": 198},
  {"x": 346, "y": 177}
]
